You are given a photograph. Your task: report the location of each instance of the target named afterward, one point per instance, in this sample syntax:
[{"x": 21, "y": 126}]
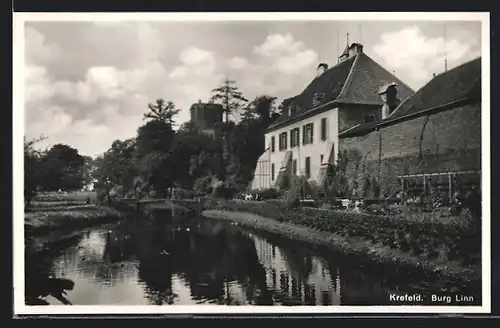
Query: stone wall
[{"x": 445, "y": 141}]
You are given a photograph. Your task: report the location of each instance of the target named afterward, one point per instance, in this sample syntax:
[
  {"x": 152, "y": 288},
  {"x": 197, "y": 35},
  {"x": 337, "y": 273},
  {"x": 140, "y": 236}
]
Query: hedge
[{"x": 431, "y": 240}]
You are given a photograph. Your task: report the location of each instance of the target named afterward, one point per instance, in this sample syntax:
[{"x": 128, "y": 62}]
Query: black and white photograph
[{"x": 251, "y": 163}]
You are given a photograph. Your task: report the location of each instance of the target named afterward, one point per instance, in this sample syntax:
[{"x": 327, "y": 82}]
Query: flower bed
[{"x": 428, "y": 239}]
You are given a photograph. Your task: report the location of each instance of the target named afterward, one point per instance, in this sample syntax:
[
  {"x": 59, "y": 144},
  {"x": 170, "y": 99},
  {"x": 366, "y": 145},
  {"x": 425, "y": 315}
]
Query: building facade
[
  {"x": 305, "y": 138},
  {"x": 435, "y": 134}
]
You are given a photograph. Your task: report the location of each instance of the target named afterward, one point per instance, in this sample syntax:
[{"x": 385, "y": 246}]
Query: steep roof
[
  {"x": 462, "y": 83},
  {"x": 355, "y": 80},
  {"x": 459, "y": 83}
]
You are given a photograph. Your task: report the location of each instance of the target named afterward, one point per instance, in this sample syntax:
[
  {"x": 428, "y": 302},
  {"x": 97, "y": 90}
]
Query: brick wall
[{"x": 451, "y": 142}]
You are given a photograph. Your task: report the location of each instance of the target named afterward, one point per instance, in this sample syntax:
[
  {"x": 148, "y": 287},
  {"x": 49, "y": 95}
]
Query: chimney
[
  {"x": 388, "y": 93},
  {"x": 352, "y": 50},
  {"x": 355, "y": 48},
  {"x": 322, "y": 67}
]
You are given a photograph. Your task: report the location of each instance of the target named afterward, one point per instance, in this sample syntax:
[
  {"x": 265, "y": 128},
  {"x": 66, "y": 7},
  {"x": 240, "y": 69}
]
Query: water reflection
[{"x": 196, "y": 261}]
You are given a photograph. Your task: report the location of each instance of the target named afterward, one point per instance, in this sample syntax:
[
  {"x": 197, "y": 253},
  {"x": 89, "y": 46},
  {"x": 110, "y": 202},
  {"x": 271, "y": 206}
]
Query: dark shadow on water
[
  {"x": 39, "y": 276},
  {"x": 186, "y": 260}
]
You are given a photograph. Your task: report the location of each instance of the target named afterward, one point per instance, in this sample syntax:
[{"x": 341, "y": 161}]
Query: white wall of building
[{"x": 314, "y": 150}]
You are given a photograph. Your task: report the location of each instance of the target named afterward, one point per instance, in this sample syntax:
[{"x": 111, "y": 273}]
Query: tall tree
[
  {"x": 229, "y": 96},
  {"x": 188, "y": 144},
  {"x": 163, "y": 111},
  {"x": 262, "y": 108},
  {"x": 62, "y": 168},
  {"x": 154, "y": 160},
  {"x": 32, "y": 158},
  {"x": 115, "y": 168}
]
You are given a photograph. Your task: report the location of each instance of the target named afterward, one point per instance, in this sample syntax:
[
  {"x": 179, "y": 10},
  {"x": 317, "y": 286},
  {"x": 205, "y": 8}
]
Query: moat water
[{"x": 192, "y": 260}]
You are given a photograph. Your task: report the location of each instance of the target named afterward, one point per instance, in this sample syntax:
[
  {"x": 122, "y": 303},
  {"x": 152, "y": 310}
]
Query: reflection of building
[
  {"x": 206, "y": 116},
  {"x": 304, "y": 139},
  {"x": 298, "y": 275}
]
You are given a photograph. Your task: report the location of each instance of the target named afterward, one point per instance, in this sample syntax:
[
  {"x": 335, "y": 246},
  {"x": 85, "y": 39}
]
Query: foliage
[
  {"x": 270, "y": 193},
  {"x": 229, "y": 96},
  {"x": 32, "y": 159},
  {"x": 61, "y": 167},
  {"x": 161, "y": 157},
  {"x": 163, "y": 111},
  {"x": 458, "y": 240},
  {"x": 115, "y": 168}
]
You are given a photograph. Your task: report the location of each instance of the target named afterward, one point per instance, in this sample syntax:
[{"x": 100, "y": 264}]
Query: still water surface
[{"x": 201, "y": 261}]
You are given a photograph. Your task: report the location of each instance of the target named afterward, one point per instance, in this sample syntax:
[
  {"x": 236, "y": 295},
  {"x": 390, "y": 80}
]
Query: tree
[
  {"x": 247, "y": 138},
  {"x": 116, "y": 167},
  {"x": 285, "y": 104},
  {"x": 31, "y": 169},
  {"x": 88, "y": 171},
  {"x": 153, "y": 152},
  {"x": 229, "y": 97},
  {"x": 61, "y": 167},
  {"x": 262, "y": 108},
  {"x": 187, "y": 144},
  {"x": 162, "y": 111}
]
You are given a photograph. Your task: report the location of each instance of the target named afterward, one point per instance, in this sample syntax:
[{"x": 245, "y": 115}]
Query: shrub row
[{"x": 446, "y": 241}]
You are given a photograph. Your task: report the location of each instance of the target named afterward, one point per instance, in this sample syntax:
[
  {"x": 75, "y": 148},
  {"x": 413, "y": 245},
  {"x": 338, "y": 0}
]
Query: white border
[{"x": 18, "y": 132}]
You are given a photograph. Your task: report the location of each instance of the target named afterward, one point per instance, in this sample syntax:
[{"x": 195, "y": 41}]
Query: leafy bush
[
  {"x": 270, "y": 193},
  {"x": 292, "y": 196},
  {"x": 419, "y": 237},
  {"x": 223, "y": 190},
  {"x": 203, "y": 186}
]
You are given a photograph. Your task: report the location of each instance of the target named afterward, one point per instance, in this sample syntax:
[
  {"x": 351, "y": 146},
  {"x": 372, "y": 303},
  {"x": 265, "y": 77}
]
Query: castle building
[
  {"x": 305, "y": 138},
  {"x": 431, "y": 139},
  {"x": 206, "y": 117}
]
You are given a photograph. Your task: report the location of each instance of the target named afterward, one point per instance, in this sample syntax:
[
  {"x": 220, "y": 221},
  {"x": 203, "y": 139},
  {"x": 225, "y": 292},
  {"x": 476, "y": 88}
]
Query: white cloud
[
  {"x": 419, "y": 56},
  {"x": 105, "y": 102},
  {"x": 179, "y": 72},
  {"x": 286, "y": 55},
  {"x": 297, "y": 63},
  {"x": 195, "y": 61},
  {"x": 277, "y": 45},
  {"x": 237, "y": 63}
]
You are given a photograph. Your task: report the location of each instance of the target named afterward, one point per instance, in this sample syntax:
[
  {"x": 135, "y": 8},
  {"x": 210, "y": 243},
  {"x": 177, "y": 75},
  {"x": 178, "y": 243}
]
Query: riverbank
[
  {"x": 352, "y": 245},
  {"x": 435, "y": 247},
  {"x": 43, "y": 220}
]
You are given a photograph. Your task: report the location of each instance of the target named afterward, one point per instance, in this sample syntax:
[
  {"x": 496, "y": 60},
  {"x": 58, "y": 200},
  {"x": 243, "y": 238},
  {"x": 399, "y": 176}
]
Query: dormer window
[
  {"x": 317, "y": 98},
  {"x": 370, "y": 118}
]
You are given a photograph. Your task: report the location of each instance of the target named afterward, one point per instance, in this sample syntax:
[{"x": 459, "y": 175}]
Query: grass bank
[
  {"x": 435, "y": 247},
  {"x": 74, "y": 217},
  {"x": 54, "y": 211}
]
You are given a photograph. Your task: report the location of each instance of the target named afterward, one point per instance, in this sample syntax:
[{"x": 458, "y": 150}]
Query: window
[
  {"x": 323, "y": 129},
  {"x": 321, "y": 159},
  {"x": 308, "y": 167},
  {"x": 295, "y": 137},
  {"x": 307, "y": 134},
  {"x": 317, "y": 98},
  {"x": 272, "y": 172},
  {"x": 294, "y": 166},
  {"x": 272, "y": 144},
  {"x": 283, "y": 141}
]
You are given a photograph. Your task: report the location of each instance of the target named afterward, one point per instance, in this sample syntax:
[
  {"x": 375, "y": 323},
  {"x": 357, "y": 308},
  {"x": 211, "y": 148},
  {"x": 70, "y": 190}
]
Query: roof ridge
[
  {"x": 400, "y": 82},
  {"x": 348, "y": 80},
  {"x": 431, "y": 80},
  {"x": 458, "y": 67}
]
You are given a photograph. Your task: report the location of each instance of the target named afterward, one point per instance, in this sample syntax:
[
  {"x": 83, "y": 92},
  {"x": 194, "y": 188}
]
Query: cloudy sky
[{"x": 88, "y": 83}]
